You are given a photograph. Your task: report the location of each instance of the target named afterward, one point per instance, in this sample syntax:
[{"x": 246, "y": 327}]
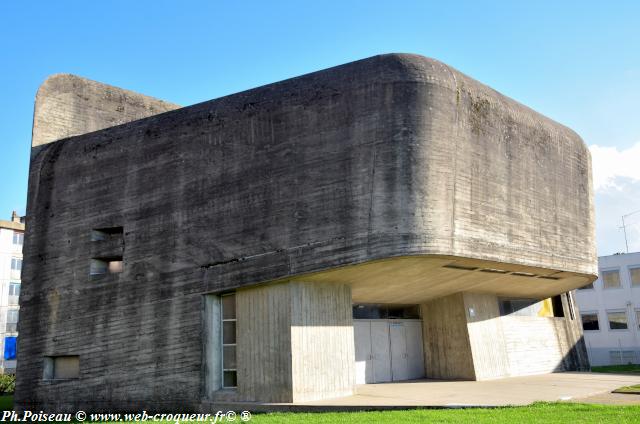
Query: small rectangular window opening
[
  {"x": 590, "y": 321},
  {"x": 611, "y": 279},
  {"x": 617, "y": 320},
  {"x": 111, "y": 265},
  {"x": 99, "y": 234},
  {"x": 61, "y": 367}
]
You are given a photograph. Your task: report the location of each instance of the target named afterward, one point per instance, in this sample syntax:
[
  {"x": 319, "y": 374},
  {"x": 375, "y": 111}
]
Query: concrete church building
[{"x": 383, "y": 220}]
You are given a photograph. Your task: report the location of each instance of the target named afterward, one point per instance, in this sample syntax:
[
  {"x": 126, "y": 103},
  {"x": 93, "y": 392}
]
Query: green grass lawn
[
  {"x": 6, "y": 402},
  {"x": 626, "y": 369},
  {"x": 540, "y": 412}
]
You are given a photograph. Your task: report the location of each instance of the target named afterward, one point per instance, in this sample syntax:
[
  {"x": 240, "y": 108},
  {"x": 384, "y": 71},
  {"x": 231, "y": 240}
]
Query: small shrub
[{"x": 7, "y": 383}]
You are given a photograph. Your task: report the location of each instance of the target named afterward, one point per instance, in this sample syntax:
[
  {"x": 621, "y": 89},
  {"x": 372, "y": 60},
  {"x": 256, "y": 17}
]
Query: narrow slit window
[
  {"x": 229, "y": 367},
  {"x": 570, "y": 305}
]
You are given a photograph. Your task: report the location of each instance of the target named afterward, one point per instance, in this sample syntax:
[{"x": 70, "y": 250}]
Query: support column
[{"x": 446, "y": 339}]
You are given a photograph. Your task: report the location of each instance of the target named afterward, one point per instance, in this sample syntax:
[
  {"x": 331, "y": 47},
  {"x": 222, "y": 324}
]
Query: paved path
[
  {"x": 612, "y": 399},
  {"x": 506, "y": 391}
]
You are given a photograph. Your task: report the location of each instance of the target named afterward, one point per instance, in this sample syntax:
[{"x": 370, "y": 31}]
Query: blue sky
[{"x": 576, "y": 62}]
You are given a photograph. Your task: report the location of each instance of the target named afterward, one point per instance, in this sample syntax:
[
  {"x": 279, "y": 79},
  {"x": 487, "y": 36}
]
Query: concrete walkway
[{"x": 572, "y": 386}]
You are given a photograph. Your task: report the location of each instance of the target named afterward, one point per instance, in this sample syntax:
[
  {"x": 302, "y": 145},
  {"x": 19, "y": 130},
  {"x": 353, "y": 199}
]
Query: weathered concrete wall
[
  {"x": 295, "y": 342},
  {"x": 485, "y": 345},
  {"x": 508, "y": 346},
  {"x": 264, "y": 343},
  {"x": 68, "y": 105},
  {"x": 395, "y": 155},
  {"x": 532, "y": 345},
  {"x": 322, "y": 341},
  {"x": 574, "y": 349},
  {"x": 447, "y": 349},
  {"x": 486, "y": 337}
]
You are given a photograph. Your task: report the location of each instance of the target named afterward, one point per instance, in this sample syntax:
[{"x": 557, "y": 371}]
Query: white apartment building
[
  {"x": 11, "y": 240},
  {"x": 610, "y": 310}
]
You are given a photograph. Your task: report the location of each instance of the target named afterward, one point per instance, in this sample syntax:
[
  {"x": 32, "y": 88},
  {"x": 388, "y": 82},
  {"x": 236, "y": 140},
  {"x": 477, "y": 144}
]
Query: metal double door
[{"x": 388, "y": 350}]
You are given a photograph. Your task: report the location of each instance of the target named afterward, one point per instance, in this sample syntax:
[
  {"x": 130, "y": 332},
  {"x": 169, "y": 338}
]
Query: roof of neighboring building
[
  {"x": 16, "y": 223},
  {"x": 619, "y": 255}
]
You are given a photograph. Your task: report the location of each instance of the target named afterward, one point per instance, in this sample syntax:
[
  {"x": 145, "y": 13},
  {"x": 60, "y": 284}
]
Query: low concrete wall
[
  {"x": 513, "y": 345},
  {"x": 532, "y": 345},
  {"x": 465, "y": 337},
  {"x": 490, "y": 357}
]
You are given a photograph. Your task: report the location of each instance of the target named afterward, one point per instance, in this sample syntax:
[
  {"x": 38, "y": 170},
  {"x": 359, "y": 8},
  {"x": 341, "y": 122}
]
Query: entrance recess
[{"x": 388, "y": 350}]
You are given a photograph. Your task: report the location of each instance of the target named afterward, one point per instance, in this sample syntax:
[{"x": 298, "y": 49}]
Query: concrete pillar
[
  {"x": 446, "y": 339},
  {"x": 295, "y": 342}
]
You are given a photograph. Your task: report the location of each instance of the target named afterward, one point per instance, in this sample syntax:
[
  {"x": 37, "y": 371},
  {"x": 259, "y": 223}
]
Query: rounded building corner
[
  {"x": 410, "y": 67},
  {"x": 55, "y": 82}
]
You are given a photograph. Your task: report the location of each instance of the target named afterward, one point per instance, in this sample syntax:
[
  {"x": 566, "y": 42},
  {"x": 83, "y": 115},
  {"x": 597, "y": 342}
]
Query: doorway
[{"x": 388, "y": 350}]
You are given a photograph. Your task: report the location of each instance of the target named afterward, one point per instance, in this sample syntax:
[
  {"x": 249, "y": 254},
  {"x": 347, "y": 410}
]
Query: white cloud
[
  {"x": 616, "y": 181},
  {"x": 610, "y": 163}
]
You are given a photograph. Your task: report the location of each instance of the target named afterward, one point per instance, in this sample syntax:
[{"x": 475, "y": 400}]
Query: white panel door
[
  {"x": 415, "y": 355},
  {"x": 381, "y": 352},
  {"x": 364, "y": 359},
  {"x": 399, "y": 364}
]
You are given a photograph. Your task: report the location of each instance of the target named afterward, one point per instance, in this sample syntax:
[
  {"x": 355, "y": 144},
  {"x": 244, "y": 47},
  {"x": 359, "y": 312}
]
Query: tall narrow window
[
  {"x": 14, "y": 293},
  {"x": 18, "y": 238},
  {"x": 16, "y": 264},
  {"x": 229, "y": 369},
  {"x": 570, "y": 305},
  {"x": 12, "y": 321}
]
